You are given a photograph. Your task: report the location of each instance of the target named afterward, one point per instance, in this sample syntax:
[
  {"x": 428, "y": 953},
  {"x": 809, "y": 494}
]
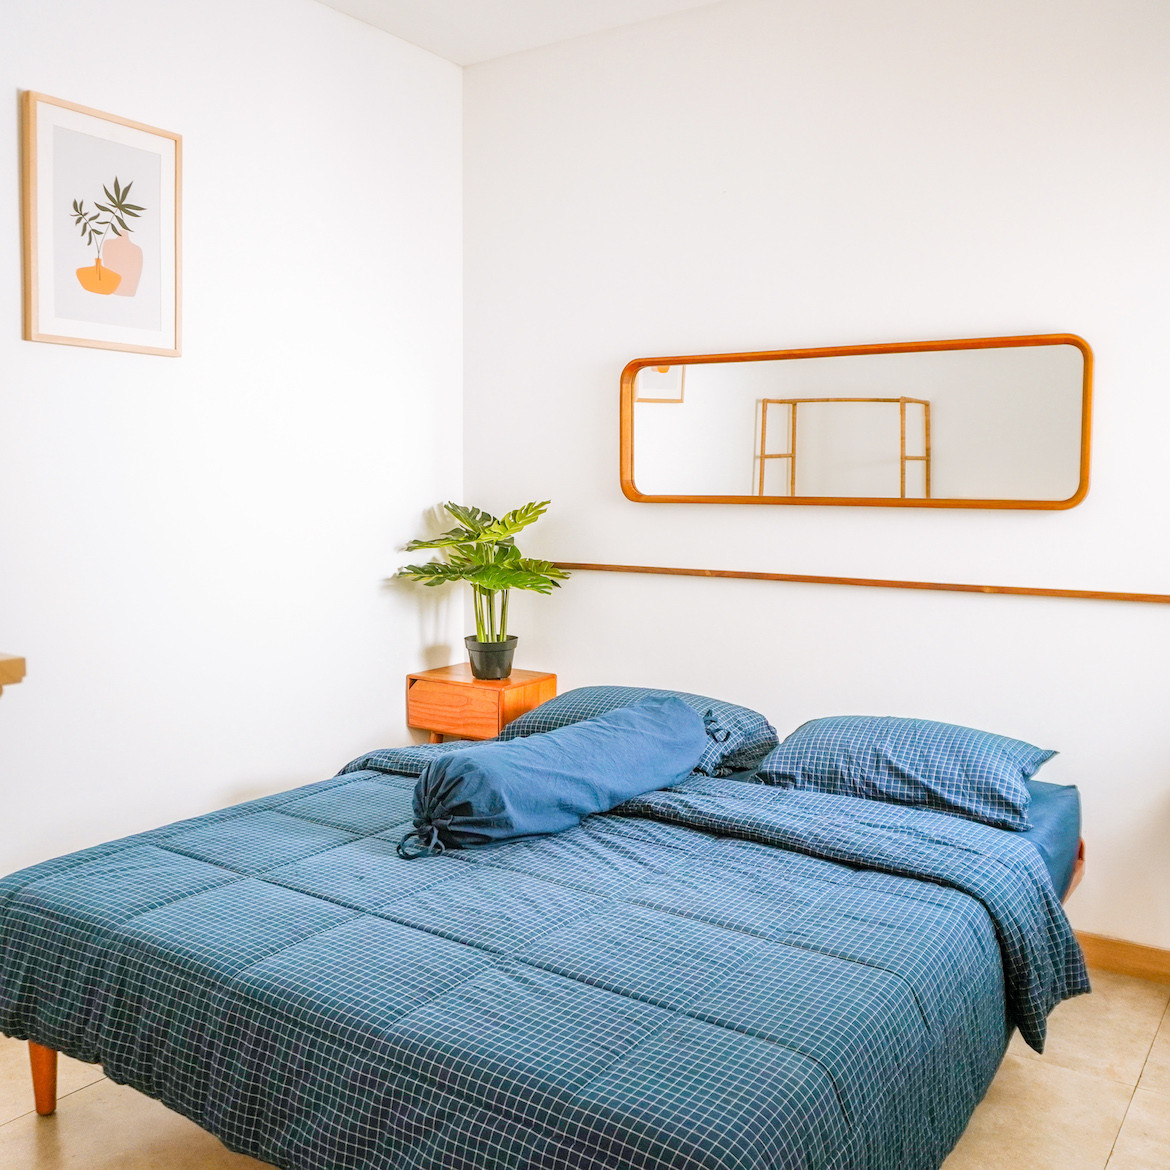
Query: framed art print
[
  {"x": 102, "y": 203},
  {"x": 661, "y": 384}
]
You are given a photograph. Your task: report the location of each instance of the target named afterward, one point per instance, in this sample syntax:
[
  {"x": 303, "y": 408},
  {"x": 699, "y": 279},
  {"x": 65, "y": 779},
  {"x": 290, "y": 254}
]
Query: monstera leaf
[{"x": 482, "y": 551}]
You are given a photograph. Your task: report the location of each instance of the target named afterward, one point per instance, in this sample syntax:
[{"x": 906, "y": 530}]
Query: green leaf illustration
[{"x": 93, "y": 228}]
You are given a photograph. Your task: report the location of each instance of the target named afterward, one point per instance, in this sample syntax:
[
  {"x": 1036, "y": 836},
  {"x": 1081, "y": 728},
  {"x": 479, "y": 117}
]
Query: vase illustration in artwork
[
  {"x": 98, "y": 279},
  {"x": 123, "y": 256},
  {"x": 117, "y": 265}
]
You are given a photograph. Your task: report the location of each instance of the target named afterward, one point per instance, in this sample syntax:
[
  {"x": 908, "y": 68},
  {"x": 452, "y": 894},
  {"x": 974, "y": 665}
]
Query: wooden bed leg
[{"x": 44, "y": 1075}]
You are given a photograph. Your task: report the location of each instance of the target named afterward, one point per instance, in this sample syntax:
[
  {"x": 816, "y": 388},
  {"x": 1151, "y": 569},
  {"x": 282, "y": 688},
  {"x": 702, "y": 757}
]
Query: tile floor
[{"x": 1099, "y": 1097}]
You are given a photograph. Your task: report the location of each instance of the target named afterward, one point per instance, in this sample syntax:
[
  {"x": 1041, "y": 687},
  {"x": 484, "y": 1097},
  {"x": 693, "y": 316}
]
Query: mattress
[
  {"x": 1055, "y": 814},
  {"x": 718, "y": 976}
]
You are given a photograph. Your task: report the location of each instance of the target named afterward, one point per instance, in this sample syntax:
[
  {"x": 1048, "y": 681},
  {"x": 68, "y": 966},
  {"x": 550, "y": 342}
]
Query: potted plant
[{"x": 482, "y": 551}]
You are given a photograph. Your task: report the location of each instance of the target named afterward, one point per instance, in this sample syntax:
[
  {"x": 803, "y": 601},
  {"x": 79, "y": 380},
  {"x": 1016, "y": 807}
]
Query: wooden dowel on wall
[{"x": 873, "y": 582}]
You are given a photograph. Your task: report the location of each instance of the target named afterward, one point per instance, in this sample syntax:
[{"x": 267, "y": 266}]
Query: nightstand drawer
[{"x": 464, "y": 711}]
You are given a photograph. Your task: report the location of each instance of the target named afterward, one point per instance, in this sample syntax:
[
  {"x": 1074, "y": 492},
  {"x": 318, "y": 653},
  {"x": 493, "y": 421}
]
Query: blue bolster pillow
[{"x": 548, "y": 782}]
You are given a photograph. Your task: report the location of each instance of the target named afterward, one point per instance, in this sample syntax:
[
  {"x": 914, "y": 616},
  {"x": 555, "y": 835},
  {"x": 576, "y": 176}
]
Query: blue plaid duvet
[{"x": 723, "y": 976}]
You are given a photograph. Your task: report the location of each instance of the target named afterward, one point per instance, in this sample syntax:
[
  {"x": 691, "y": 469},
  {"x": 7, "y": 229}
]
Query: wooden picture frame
[{"x": 102, "y": 213}]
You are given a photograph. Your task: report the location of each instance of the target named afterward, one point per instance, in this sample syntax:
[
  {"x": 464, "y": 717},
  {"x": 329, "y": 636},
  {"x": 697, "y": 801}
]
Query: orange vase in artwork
[
  {"x": 98, "y": 279},
  {"x": 123, "y": 256}
]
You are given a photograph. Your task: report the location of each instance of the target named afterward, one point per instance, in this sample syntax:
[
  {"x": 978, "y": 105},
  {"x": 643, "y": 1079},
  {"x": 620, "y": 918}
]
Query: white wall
[
  {"x": 192, "y": 550},
  {"x": 766, "y": 175}
]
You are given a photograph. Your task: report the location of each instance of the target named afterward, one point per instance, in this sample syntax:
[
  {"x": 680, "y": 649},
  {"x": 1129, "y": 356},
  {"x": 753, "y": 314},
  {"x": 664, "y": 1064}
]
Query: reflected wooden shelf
[{"x": 11, "y": 670}]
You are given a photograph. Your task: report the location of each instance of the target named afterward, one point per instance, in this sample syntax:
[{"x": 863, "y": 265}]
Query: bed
[{"x": 718, "y": 974}]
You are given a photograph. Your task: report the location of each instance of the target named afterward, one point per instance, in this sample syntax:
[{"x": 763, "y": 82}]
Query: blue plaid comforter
[{"x": 724, "y": 976}]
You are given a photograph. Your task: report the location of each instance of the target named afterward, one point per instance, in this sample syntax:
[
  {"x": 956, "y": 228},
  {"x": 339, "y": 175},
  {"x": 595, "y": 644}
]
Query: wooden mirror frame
[{"x": 630, "y": 491}]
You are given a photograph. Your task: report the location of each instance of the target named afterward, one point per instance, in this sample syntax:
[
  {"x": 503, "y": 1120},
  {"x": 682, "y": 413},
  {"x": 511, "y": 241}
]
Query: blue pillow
[
  {"x": 546, "y": 783},
  {"x": 737, "y": 737},
  {"x": 952, "y": 769}
]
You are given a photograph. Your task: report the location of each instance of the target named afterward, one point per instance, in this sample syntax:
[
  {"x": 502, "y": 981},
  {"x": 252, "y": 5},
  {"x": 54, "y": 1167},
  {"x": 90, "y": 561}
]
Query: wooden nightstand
[{"x": 451, "y": 701}]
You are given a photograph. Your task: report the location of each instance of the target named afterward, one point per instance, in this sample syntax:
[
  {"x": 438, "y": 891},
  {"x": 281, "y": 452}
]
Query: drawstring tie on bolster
[
  {"x": 714, "y": 731},
  {"x": 429, "y": 844}
]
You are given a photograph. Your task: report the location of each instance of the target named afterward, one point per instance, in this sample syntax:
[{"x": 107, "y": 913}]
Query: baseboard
[{"x": 1127, "y": 958}]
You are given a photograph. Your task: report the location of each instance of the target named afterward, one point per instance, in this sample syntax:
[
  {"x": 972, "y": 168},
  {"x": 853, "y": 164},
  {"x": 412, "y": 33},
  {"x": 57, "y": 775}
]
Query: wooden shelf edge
[{"x": 12, "y": 670}]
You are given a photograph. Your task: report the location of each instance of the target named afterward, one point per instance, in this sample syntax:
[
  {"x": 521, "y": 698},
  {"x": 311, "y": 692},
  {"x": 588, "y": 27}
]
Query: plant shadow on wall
[
  {"x": 117, "y": 265},
  {"x": 482, "y": 551},
  {"x": 435, "y": 611}
]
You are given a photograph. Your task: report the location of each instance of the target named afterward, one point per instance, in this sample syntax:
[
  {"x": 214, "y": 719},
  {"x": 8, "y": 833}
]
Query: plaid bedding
[
  {"x": 725, "y": 976},
  {"x": 1043, "y": 964}
]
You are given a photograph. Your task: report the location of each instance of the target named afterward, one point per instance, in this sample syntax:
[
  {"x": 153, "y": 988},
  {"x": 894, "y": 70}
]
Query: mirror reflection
[{"x": 992, "y": 422}]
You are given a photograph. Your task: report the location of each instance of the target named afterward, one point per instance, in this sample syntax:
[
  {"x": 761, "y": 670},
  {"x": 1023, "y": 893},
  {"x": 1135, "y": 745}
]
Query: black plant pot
[{"x": 490, "y": 659}]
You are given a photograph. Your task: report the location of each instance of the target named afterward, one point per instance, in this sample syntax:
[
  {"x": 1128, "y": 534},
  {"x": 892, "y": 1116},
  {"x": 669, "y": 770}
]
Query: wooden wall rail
[{"x": 880, "y": 583}]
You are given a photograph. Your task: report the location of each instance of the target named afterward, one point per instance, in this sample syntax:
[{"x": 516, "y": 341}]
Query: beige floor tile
[
  {"x": 111, "y": 1127},
  {"x": 1144, "y": 1141},
  {"x": 1038, "y": 1116},
  {"x": 16, "y": 1095},
  {"x": 1156, "y": 1076},
  {"x": 1108, "y": 1033}
]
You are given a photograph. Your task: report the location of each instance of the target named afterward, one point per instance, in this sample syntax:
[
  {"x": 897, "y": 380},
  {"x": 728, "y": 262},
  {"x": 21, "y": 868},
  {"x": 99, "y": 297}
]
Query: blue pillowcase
[
  {"x": 737, "y": 737},
  {"x": 546, "y": 783},
  {"x": 941, "y": 766}
]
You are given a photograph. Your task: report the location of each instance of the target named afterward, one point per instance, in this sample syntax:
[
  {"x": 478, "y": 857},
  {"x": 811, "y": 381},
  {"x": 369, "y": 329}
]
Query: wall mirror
[{"x": 994, "y": 422}]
